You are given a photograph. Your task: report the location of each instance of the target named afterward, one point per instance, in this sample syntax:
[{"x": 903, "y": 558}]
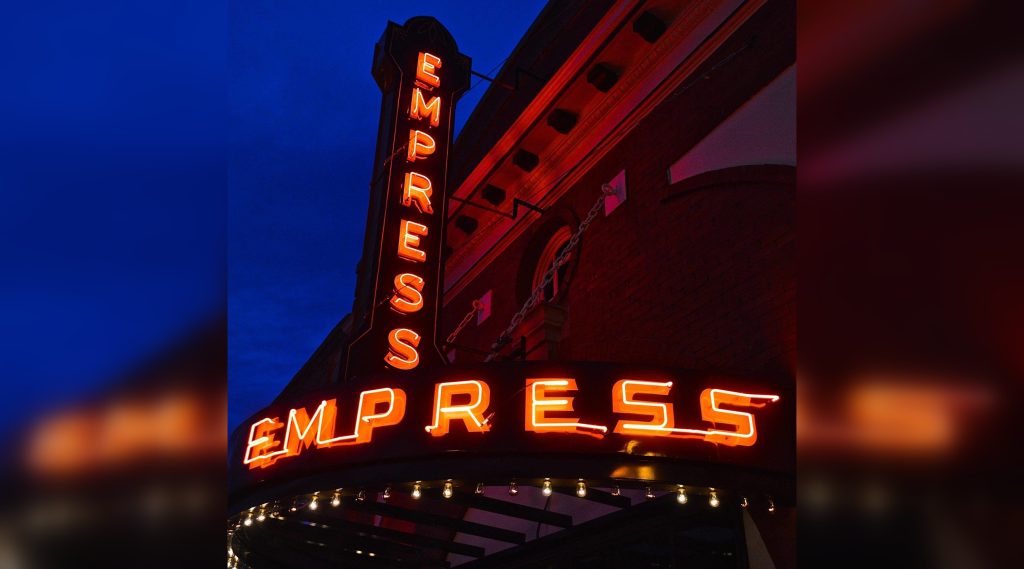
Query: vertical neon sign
[{"x": 421, "y": 75}]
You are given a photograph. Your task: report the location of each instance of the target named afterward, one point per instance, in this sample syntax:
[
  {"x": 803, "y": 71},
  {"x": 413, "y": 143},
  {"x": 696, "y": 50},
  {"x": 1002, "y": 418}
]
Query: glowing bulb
[
  {"x": 313, "y": 504},
  {"x": 336, "y": 500},
  {"x": 581, "y": 489},
  {"x": 262, "y": 515},
  {"x": 649, "y": 493},
  {"x": 681, "y": 495},
  {"x": 513, "y": 488},
  {"x": 771, "y": 504},
  {"x": 248, "y": 520},
  {"x": 416, "y": 491},
  {"x": 361, "y": 496},
  {"x": 372, "y": 554},
  {"x": 546, "y": 488},
  {"x": 447, "y": 492},
  {"x": 616, "y": 491},
  {"x": 480, "y": 488},
  {"x": 744, "y": 503},
  {"x": 713, "y": 499},
  {"x": 387, "y": 493}
]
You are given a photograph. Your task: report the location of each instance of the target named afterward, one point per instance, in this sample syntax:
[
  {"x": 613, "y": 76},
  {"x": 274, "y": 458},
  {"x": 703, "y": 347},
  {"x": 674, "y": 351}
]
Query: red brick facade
[{"x": 698, "y": 274}]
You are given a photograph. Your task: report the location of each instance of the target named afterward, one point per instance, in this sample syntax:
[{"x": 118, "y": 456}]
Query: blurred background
[
  {"x": 126, "y": 129},
  {"x": 112, "y": 282},
  {"x": 910, "y": 174}
]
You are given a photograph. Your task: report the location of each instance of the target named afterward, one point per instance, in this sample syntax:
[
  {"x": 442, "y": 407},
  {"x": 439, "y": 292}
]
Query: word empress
[
  {"x": 549, "y": 409},
  {"x": 417, "y": 190}
]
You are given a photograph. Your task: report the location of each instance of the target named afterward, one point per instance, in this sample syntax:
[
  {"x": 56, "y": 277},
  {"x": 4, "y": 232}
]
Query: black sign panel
[
  {"x": 396, "y": 421},
  {"x": 421, "y": 75}
]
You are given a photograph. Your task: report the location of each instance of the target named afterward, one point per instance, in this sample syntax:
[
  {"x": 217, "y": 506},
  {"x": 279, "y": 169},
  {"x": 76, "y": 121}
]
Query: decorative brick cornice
[{"x": 692, "y": 37}]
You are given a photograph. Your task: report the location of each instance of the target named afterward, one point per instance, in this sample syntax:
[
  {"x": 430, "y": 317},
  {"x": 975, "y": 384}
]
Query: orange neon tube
[
  {"x": 420, "y": 109},
  {"x": 426, "y": 65},
  {"x": 408, "y": 296},
  {"x": 409, "y": 238},
  {"x": 539, "y": 403},
  {"x": 300, "y": 433},
  {"x": 471, "y": 413},
  {"x": 660, "y": 416},
  {"x": 402, "y": 354}
]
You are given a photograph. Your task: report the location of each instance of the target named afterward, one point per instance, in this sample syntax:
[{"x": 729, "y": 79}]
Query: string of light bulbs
[{"x": 257, "y": 515}]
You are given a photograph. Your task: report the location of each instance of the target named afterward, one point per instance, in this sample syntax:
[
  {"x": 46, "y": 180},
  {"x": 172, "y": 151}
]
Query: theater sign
[
  {"x": 421, "y": 75},
  {"x": 639, "y": 408},
  {"x": 400, "y": 413},
  {"x": 634, "y": 421}
]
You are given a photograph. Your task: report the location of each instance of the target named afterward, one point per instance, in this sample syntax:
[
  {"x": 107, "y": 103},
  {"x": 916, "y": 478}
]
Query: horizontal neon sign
[{"x": 641, "y": 409}]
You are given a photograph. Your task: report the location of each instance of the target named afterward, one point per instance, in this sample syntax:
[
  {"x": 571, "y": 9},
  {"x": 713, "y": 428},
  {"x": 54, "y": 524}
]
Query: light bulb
[
  {"x": 336, "y": 500},
  {"x": 581, "y": 489},
  {"x": 447, "y": 492},
  {"x": 744, "y": 503},
  {"x": 681, "y": 495},
  {"x": 416, "y": 493},
  {"x": 713, "y": 499},
  {"x": 771, "y": 504},
  {"x": 248, "y": 520},
  {"x": 616, "y": 491},
  {"x": 361, "y": 496},
  {"x": 649, "y": 493},
  {"x": 546, "y": 488},
  {"x": 480, "y": 488},
  {"x": 387, "y": 493},
  {"x": 262, "y": 516},
  {"x": 513, "y": 488},
  {"x": 313, "y": 504}
]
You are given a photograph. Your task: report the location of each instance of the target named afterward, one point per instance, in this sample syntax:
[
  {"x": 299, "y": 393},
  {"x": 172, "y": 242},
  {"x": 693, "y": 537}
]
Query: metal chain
[
  {"x": 477, "y": 306},
  {"x": 560, "y": 260}
]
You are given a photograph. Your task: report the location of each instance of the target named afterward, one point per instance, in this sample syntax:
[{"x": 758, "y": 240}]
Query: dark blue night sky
[
  {"x": 152, "y": 152},
  {"x": 303, "y": 116},
  {"x": 112, "y": 191}
]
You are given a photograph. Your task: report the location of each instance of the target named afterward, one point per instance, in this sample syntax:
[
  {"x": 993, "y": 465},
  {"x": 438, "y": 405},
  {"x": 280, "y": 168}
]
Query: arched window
[{"x": 558, "y": 242}]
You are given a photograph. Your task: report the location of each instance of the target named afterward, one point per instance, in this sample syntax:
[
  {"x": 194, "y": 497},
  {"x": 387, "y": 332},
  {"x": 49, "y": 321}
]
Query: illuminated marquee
[
  {"x": 402, "y": 350},
  {"x": 265, "y": 447},
  {"x": 421, "y": 73},
  {"x": 661, "y": 416},
  {"x": 639, "y": 409}
]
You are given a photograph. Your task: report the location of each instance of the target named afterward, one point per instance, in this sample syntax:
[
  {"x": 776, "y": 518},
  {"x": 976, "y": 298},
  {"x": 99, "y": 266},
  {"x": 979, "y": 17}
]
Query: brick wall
[{"x": 699, "y": 274}]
